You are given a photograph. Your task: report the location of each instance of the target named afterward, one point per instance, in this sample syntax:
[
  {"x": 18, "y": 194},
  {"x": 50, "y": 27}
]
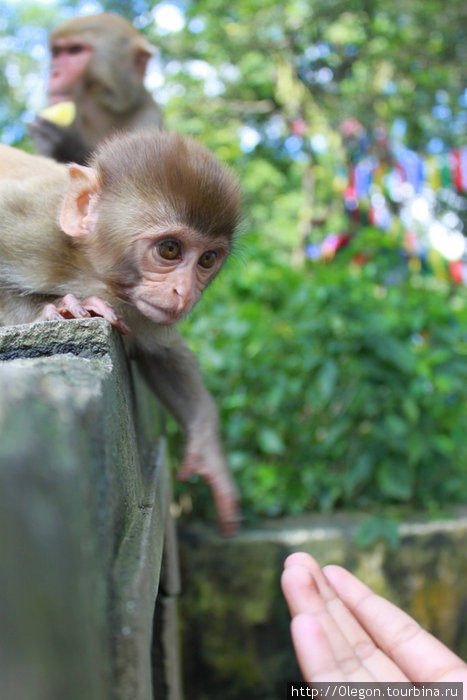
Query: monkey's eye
[
  {"x": 169, "y": 250},
  {"x": 75, "y": 48},
  {"x": 208, "y": 259}
]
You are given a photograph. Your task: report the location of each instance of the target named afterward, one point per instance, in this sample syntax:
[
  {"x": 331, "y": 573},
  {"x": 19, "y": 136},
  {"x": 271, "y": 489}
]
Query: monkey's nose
[
  {"x": 180, "y": 299},
  {"x": 182, "y": 293}
]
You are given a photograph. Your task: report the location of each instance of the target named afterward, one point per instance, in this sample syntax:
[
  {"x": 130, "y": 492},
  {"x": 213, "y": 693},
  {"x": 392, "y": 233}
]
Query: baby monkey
[{"x": 134, "y": 237}]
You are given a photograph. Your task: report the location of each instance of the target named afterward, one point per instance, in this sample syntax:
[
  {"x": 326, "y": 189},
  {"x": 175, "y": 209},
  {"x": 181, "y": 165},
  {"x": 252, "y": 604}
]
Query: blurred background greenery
[{"x": 335, "y": 341}]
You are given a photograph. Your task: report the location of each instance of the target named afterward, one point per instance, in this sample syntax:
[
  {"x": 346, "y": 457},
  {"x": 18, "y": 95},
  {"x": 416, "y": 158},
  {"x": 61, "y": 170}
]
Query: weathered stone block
[{"x": 83, "y": 508}]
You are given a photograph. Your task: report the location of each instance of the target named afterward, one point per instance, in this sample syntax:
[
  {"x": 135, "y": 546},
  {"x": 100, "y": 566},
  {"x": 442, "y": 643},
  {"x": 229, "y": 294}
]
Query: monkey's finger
[
  {"x": 98, "y": 307},
  {"x": 71, "y": 307},
  {"x": 228, "y": 511},
  {"x": 41, "y": 125},
  {"x": 45, "y": 132},
  {"x": 228, "y": 515},
  {"x": 227, "y": 502},
  {"x": 223, "y": 490},
  {"x": 50, "y": 313}
]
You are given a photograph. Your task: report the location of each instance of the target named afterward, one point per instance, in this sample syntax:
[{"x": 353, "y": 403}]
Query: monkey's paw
[
  {"x": 71, "y": 307},
  {"x": 217, "y": 475}
]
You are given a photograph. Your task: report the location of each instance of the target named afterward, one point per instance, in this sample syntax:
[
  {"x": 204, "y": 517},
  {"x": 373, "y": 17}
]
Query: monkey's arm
[
  {"x": 174, "y": 376},
  {"x": 58, "y": 142}
]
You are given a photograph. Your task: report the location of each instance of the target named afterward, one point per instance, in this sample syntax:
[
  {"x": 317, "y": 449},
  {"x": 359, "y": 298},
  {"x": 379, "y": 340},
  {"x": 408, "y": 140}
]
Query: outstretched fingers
[
  {"x": 330, "y": 643},
  {"x": 416, "y": 652}
]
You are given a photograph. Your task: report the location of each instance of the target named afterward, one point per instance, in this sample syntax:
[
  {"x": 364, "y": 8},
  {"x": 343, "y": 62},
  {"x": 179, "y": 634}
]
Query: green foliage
[
  {"x": 373, "y": 60},
  {"x": 339, "y": 385},
  {"x": 378, "y": 528},
  {"x": 265, "y": 66},
  {"x": 261, "y": 66}
]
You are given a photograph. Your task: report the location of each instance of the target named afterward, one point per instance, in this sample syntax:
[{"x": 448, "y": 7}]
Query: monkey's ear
[
  {"x": 78, "y": 215},
  {"x": 143, "y": 51}
]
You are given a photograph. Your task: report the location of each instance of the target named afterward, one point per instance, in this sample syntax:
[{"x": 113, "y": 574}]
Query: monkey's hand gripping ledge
[{"x": 86, "y": 541}]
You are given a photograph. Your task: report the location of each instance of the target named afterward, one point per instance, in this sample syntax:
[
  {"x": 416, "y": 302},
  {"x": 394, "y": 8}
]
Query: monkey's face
[
  {"x": 71, "y": 57},
  {"x": 174, "y": 268}
]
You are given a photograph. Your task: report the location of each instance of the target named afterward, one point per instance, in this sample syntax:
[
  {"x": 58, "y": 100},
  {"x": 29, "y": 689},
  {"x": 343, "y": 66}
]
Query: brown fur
[
  {"x": 16, "y": 164},
  {"x": 173, "y": 178}
]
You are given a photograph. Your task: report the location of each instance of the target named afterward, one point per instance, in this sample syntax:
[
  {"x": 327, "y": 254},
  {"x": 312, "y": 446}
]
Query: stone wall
[
  {"x": 86, "y": 545},
  {"x": 236, "y": 641},
  {"x": 84, "y": 498}
]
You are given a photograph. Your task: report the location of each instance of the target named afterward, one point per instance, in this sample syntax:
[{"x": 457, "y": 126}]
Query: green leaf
[
  {"x": 326, "y": 380},
  {"x": 270, "y": 441},
  {"x": 395, "y": 480},
  {"x": 378, "y": 529}
]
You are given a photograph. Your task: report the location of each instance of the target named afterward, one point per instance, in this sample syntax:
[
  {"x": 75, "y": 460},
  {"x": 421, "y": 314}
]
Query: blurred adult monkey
[{"x": 98, "y": 62}]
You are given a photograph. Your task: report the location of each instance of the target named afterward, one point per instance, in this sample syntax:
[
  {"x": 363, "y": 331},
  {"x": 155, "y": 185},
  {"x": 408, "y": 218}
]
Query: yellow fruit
[{"x": 62, "y": 113}]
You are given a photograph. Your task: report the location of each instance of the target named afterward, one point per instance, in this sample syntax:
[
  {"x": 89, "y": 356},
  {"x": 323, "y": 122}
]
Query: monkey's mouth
[
  {"x": 159, "y": 314},
  {"x": 56, "y": 97}
]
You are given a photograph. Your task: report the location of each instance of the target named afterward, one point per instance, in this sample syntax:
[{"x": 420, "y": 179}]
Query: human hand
[{"x": 343, "y": 631}]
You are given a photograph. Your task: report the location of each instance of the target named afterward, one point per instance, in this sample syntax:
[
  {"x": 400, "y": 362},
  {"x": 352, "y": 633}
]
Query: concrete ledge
[
  {"x": 236, "y": 640},
  {"x": 83, "y": 508}
]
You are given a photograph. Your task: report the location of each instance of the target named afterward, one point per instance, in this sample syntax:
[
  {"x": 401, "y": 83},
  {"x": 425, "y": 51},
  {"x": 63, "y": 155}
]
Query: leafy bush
[{"x": 339, "y": 385}]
